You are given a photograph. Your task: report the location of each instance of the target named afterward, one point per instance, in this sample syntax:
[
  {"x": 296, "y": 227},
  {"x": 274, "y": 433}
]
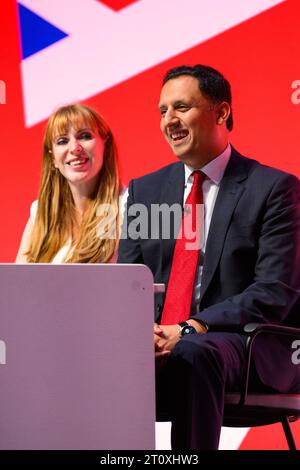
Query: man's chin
[
  {"x": 182, "y": 156},
  {"x": 188, "y": 160},
  {"x": 179, "y": 151}
]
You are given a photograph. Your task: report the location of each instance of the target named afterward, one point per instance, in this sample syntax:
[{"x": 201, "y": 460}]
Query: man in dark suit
[{"x": 247, "y": 265}]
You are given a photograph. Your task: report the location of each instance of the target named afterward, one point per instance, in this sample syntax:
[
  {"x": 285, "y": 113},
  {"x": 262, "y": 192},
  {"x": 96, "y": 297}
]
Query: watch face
[{"x": 188, "y": 330}]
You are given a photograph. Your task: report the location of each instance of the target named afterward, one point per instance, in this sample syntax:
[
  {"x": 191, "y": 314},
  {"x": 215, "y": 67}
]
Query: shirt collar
[{"x": 214, "y": 169}]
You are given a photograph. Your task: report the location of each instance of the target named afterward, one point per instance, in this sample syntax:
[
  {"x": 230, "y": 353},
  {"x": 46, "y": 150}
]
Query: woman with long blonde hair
[{"x": 79, "y": 188}]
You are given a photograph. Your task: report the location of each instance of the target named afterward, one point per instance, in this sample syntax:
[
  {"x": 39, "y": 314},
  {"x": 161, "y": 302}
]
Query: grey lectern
[{"x": 77, "y": 359}]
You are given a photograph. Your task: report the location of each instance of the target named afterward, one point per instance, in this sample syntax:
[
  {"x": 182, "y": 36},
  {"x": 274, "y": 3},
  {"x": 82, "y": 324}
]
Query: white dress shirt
[{"x": 214, "y": 171}]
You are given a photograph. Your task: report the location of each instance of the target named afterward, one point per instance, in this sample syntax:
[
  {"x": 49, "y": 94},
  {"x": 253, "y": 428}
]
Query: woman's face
[{"x": 78, "y": 155}]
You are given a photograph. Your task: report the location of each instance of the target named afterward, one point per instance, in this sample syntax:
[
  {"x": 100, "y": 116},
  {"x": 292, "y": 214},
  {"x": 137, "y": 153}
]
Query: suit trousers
[{"x": 191, "y": 384}]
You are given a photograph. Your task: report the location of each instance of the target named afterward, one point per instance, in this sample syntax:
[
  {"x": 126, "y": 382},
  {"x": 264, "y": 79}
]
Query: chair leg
[{"x": 288, "y": 433}]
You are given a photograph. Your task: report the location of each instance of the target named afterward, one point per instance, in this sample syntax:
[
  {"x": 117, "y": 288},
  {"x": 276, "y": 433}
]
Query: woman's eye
[
  {"x": 61, "y": 141},
  {"x": 86, "y": 136}
]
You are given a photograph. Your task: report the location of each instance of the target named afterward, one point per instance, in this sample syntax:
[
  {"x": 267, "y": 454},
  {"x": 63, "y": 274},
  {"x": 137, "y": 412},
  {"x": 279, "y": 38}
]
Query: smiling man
[
  {"x": 245, "y": 267},
  {"x": 189, "y": 121}
]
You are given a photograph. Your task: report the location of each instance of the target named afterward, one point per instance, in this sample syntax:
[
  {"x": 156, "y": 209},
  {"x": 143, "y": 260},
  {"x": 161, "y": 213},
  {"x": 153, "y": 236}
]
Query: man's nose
[{"x": 170, "y": 116}]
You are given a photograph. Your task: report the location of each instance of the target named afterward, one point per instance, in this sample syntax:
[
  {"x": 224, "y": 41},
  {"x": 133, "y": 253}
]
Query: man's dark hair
[{"x": 211, "y": 83}]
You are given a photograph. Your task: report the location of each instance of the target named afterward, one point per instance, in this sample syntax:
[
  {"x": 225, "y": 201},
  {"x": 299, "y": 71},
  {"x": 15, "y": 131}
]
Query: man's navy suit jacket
[{"x": 251, "y": 269}]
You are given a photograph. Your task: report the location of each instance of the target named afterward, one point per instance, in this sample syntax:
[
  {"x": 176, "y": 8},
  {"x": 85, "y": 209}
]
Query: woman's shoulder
[
  {"x": 33, "y": 210},
  {"x": 123, "y": 199}
]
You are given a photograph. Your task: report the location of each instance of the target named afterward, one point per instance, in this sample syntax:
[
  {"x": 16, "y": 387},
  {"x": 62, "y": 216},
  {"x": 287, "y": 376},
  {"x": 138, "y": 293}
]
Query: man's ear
[{"x": 223, "y": 112}]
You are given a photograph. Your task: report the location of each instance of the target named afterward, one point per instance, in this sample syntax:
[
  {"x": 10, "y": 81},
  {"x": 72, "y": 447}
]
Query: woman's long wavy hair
[{"x": 56, "y": 212}]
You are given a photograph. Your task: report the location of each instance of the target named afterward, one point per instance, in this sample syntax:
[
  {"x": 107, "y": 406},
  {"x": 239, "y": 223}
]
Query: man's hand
[
  {"x": 160, "y": 355},
  {"x": 165, "y": 338}
]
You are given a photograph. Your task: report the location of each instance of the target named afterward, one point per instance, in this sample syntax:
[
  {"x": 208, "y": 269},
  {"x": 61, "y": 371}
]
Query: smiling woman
[
  {"x": 78, "y": 155},
  {"x": 79, "y": 174}
]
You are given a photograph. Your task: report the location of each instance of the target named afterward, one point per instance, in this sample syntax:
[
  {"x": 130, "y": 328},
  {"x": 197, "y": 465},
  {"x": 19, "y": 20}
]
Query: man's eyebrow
[
  {"x": 179, "y": 102},
  {"x": 175, "y": 103}
]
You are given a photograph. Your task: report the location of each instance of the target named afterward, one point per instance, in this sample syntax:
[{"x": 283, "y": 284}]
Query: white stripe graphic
[{"x": 105, "y": 47}]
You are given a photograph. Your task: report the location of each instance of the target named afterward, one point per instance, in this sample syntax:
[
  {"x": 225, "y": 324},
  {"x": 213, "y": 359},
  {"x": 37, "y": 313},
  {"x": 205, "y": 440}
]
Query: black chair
[{"x": 247, "y": 409}]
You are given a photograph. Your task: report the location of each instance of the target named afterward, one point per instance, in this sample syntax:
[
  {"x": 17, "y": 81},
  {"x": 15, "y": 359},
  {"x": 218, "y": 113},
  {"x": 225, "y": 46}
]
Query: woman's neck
[{"x": 81, "y": 196}]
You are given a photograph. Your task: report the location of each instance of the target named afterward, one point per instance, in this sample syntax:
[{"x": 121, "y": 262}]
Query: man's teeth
[{"x": 179, "y": 135}]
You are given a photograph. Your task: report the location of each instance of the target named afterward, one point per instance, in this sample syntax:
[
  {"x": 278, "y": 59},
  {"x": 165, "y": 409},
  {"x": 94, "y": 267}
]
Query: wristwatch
[{"x": 186, "y": 329}]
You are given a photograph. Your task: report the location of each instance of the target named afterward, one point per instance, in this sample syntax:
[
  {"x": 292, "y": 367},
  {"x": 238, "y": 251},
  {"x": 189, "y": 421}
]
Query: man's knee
[{"x": 198, "y": 350}]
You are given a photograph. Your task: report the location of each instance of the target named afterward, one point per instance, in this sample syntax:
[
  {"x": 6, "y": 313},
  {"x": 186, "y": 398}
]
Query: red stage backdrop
[{"x": 111, "y": 55}]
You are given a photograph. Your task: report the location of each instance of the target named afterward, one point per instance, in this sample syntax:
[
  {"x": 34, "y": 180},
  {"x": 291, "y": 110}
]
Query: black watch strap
[{"x": 186, "y": 329}]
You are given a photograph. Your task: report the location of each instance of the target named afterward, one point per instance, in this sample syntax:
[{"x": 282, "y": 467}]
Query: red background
[{"x": 260, "y": 59}]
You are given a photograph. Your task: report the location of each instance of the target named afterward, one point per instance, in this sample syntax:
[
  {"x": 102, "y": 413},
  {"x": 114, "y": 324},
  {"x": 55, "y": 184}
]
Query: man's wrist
[
  {"x": 186, "y": 329},
  {"x": 199, "y": 325}
]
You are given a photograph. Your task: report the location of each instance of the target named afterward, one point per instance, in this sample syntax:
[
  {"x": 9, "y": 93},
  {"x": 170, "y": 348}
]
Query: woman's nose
[{"x": 75, "y": 146}]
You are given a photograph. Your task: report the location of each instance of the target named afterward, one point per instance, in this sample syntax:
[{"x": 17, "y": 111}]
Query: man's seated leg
[{"x": 192, "y": 384}]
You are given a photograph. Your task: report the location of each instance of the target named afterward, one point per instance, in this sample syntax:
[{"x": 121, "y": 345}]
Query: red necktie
[{"x": 182, "y": 277}]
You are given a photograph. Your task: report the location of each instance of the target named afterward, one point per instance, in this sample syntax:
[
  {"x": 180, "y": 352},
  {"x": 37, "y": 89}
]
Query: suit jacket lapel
[
  {"x": 229, "y": 194},
  {"x": 172, "y": 193}
]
